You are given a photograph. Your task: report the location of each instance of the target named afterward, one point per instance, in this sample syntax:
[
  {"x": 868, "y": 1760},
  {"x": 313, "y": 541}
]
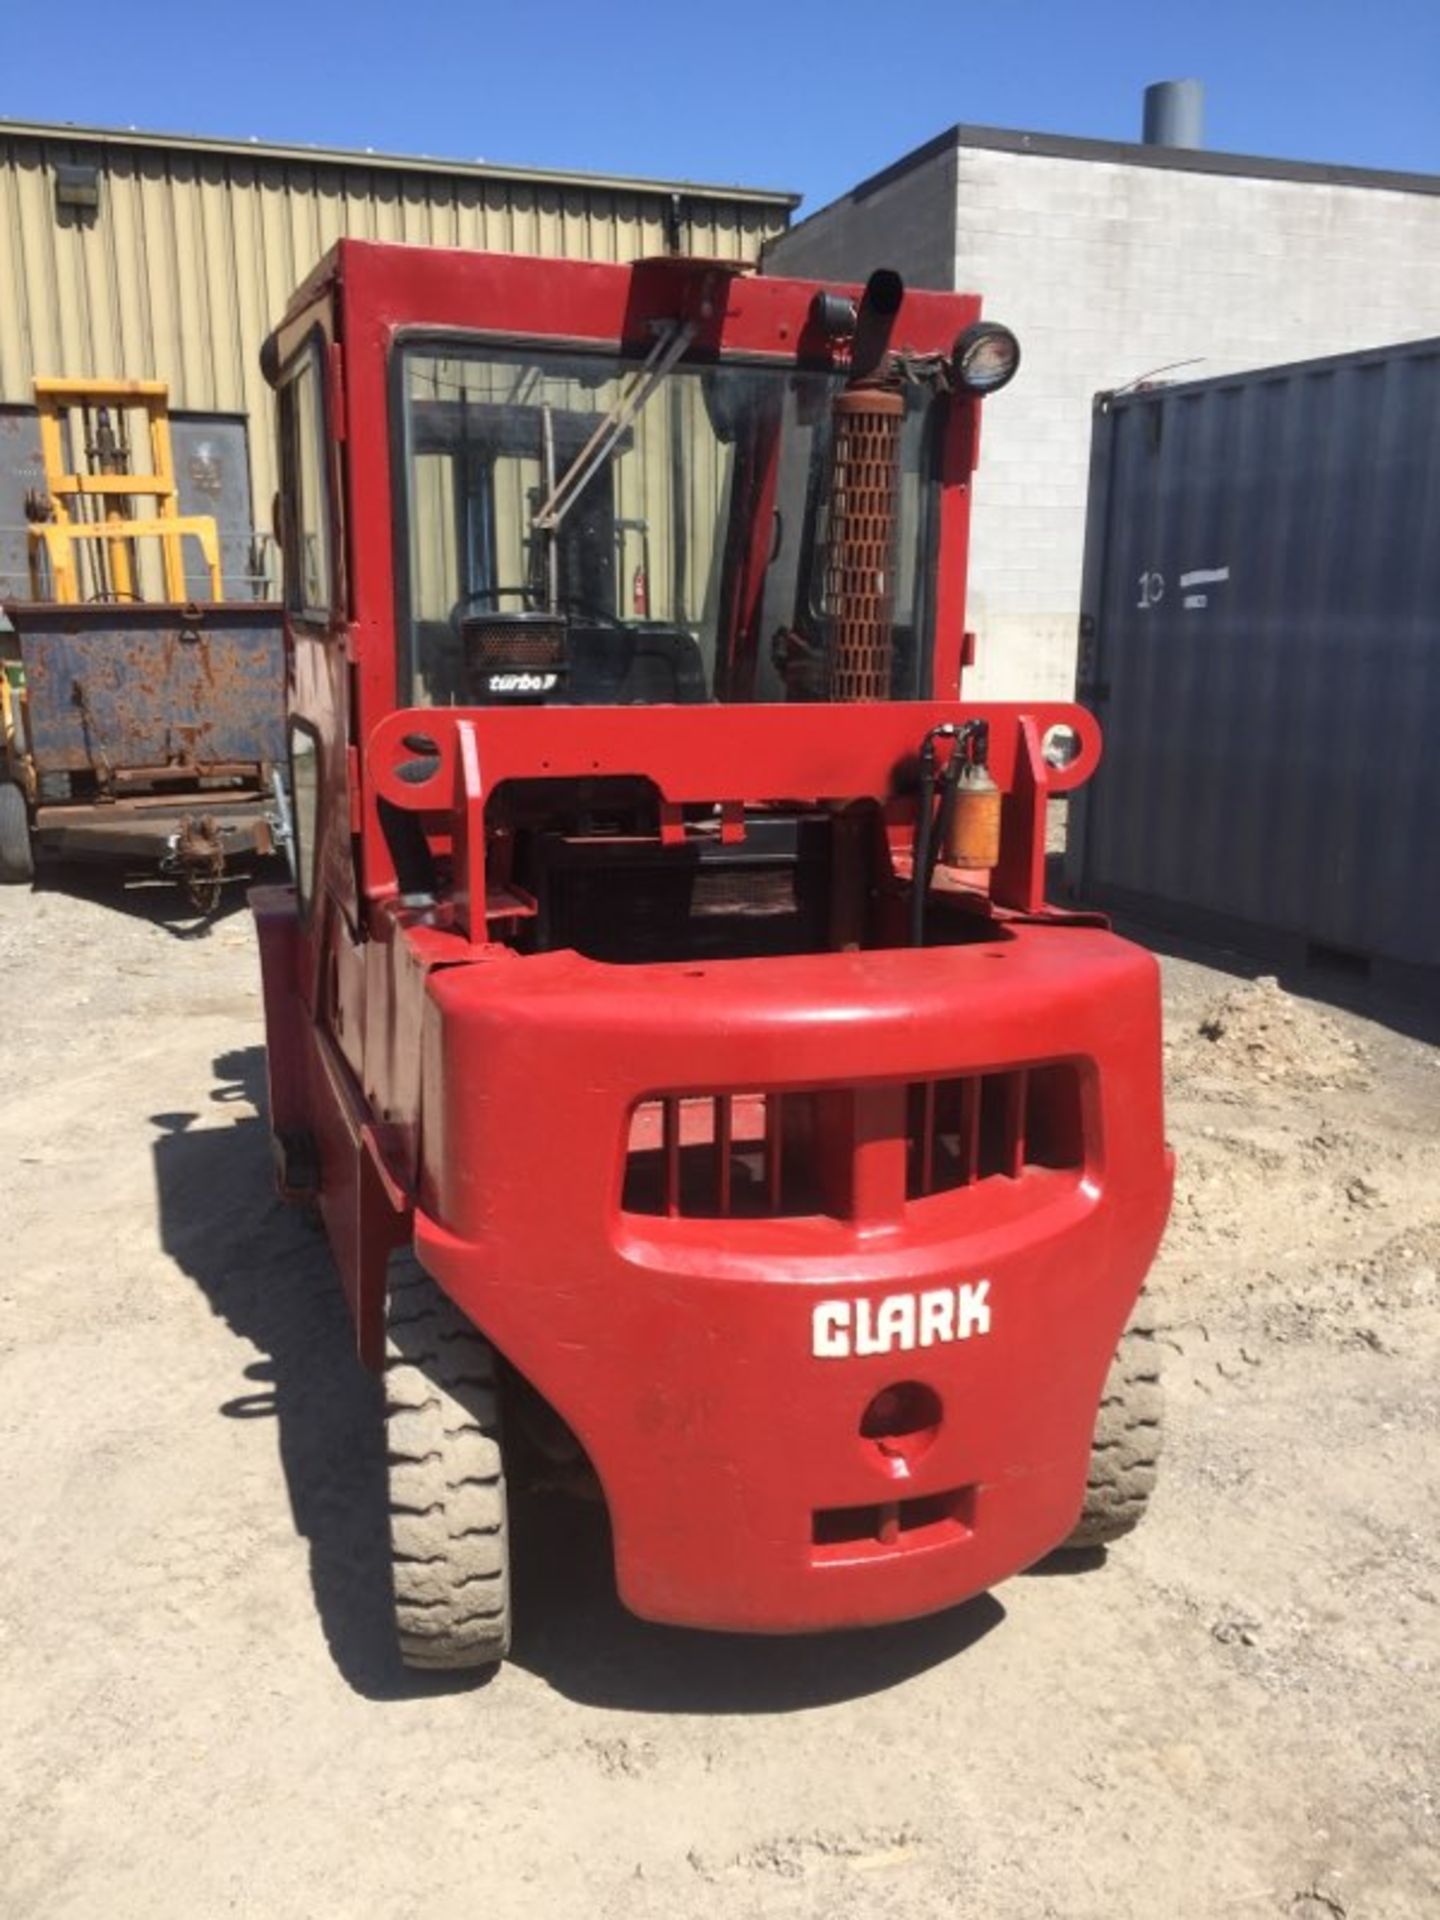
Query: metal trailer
[
  {"x": 1260, "y": 637},
  {"x": 148, "y": 734}
]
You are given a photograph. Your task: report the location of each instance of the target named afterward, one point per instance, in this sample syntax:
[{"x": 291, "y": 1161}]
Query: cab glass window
[
  {"x": 305, "y": 808},
  {"x": 305, "y": 492},
  {"x": 575, "y": 533}
]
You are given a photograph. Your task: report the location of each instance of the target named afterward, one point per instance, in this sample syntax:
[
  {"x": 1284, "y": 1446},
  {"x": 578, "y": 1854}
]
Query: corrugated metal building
[{"x": 170, "y": 257}]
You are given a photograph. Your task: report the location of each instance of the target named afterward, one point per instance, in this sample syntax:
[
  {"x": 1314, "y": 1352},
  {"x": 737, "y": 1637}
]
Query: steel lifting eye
[{"x": 1060, "y": 747}]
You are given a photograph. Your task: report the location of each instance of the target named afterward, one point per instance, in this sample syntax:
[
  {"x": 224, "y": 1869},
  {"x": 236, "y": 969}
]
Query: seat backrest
[{"x": 621, "y": 667}]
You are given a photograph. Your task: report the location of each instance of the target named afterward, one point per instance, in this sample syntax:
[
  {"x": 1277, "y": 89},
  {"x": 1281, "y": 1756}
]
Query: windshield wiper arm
[{"x": 674, "y": 337}]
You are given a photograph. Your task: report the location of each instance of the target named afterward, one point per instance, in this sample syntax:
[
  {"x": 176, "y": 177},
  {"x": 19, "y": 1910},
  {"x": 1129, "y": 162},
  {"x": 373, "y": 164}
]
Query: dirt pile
[
  {"x": 1256, "y": 1034},
  {"x": 1403, "y": 1272},
  {"x": 1365, "y": 1301}
]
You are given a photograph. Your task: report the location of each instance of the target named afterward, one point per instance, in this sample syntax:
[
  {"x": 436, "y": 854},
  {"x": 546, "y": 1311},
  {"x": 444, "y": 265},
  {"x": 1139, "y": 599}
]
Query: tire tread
[
  {"x": 1125, "y": 1454},
  {"x": 449, "y": 1538},
  {"x": 17, "y": 855}
]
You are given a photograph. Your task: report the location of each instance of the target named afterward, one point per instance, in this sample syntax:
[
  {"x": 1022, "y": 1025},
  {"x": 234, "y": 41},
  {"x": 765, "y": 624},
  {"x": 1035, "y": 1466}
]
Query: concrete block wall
[{"x": 1109, "y": 270}]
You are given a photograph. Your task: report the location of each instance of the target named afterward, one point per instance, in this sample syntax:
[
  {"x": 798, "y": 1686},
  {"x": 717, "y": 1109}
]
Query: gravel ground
[{"x": 1234, "y": 1713}]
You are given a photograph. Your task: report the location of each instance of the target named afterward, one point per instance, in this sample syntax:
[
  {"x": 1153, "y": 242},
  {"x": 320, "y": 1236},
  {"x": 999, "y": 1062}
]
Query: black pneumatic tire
[
  {"x": 449, "y": 1529},
  {"x": 17, "y": 856},
  {"x": 1126, "y": 1449}
]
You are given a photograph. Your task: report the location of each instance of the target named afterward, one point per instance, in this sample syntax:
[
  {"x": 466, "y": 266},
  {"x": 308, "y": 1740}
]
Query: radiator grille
[
  {"x": 989, "y": 1125},
  {"x": 722, "y": 1155},
  {"x": 493, "y": 646},
  {"x": 773, "y": 1155}
]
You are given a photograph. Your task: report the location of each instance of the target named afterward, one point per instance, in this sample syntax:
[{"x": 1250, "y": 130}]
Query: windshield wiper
[{"x": 673, "y": 338}]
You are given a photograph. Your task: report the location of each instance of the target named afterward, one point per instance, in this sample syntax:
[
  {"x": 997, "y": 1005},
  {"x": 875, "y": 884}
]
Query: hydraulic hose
[
  {"x": 922, "y": 864},
  {"x": 949, "y": 786}
]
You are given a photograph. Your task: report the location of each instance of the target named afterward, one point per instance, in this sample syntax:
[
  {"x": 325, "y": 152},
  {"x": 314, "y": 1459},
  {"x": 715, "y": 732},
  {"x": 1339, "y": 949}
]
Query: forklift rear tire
[
  {"x": 449, "y": 1526},
  {"x": 17, "y": 856},
  {"x": 1126, "y": 1449}
]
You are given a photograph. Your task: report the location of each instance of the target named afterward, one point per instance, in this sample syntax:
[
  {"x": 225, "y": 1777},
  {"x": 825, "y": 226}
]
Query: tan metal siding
[{"x": 195, "y": 250}]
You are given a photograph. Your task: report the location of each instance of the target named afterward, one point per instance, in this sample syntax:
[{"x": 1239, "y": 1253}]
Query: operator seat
[
  {"x": 609, "y": 666},
  {"x": 627, "y": 667}
]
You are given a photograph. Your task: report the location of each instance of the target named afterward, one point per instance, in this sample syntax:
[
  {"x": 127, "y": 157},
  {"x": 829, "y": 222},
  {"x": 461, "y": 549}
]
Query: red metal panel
[
  {"x": 698, "y": 754},
  {"x": 277, "y": 930},
  {"x": 1020, "y": 877}
]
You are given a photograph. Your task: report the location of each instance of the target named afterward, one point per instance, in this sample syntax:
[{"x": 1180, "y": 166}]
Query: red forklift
[{"x": 705, "y": 1108}]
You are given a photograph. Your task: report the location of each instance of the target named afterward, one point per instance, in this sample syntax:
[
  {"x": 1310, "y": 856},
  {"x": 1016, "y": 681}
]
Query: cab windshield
[{"x": 581, "y": 531}]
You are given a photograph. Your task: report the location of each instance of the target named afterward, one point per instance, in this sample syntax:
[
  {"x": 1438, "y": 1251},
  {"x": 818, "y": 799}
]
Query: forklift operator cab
[{"x": 705, "y": 1107}]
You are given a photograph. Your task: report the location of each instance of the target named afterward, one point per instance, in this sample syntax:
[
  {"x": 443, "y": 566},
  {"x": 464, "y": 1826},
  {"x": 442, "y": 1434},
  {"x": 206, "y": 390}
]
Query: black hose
[
  {"x": 921, "y": 865},
  {"x": 950, "y": 784}
]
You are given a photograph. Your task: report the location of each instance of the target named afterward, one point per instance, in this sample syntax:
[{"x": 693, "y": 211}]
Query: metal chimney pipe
[{"x": 1175, "y": 114}]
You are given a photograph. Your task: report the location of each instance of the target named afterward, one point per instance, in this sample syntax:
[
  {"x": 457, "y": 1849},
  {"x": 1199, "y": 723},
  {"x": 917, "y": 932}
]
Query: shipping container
[{"x": 1260, "y": 639}]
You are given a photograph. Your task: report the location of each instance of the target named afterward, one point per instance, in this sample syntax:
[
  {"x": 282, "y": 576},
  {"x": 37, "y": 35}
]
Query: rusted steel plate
[{"x": 113, "y": 687}]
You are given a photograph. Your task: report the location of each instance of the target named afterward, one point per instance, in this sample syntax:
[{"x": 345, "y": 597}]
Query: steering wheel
[{"x": 486, "y": 596}]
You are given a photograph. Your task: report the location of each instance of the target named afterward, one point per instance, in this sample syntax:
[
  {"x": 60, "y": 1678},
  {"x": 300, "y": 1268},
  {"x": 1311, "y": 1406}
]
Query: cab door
[{"x": 318, "y": 721}]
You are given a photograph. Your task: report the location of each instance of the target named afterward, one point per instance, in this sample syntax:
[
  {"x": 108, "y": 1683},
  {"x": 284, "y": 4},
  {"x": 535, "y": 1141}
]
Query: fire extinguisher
[{"x": 640, "y": 594}]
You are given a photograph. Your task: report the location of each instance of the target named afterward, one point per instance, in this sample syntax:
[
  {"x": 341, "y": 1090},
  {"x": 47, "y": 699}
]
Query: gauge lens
[{"x": 986, "y": 357}]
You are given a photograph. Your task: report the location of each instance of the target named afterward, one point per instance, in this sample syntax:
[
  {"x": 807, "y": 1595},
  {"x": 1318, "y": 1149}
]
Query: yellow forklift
[{"x": 140, "y": 723}]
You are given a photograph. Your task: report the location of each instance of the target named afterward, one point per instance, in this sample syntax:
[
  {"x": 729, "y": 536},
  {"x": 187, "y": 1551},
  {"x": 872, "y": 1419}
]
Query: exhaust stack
[{"x": 1175, "y": 114}]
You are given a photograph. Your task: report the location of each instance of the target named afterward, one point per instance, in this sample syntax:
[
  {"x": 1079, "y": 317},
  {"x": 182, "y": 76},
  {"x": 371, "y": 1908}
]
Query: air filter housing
[
  {"x": 860, "y": 560},
  {"x": 514, "y": 656}
]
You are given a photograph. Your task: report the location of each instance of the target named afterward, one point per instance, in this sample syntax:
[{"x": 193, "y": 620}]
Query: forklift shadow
[
  {"x": 267, "y": 1273},
  {"x": 162, "y": 903},
  {"x": 572, "y": 1632}
]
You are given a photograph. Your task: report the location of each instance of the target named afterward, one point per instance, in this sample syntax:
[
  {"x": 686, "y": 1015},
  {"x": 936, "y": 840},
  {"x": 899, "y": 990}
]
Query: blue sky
[{"x": 807, "y": 95}]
